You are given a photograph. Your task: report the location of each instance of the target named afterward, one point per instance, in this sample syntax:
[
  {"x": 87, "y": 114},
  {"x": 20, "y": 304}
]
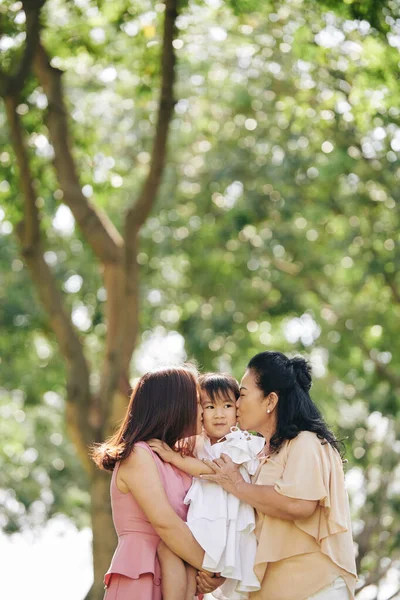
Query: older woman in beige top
[{"x": 303, "y": 528}]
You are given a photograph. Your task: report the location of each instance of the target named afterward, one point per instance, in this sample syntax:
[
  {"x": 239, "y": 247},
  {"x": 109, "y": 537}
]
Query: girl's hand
[
  {"x": 206, "y": 583},
  {"x": 163, "y": 450},
  {"x": 226, "y": 473}
]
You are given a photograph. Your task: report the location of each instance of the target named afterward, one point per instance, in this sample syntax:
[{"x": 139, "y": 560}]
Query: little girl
[{"x": 223, "y": 525}]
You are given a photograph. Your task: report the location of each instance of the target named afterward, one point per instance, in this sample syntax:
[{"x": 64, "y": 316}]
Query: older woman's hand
[
  {"x": 226, "y": 473},
  {"x": 206, "y": 583}
]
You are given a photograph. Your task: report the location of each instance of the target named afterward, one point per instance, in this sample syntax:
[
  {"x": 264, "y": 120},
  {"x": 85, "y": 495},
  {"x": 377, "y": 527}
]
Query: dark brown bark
[
  {"x": 138, "y": 213},
  {"x": 104, "y": 536},
  {"x": 98, "y": 230},
  {"x": 114, "y": 282},
  {"x": 91, "y": 418},
  {"x": 12, "y": 83},
  {"x": 28, "y": 232}
]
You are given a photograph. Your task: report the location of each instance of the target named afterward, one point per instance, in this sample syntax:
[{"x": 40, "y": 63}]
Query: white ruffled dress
[{"x": 221, "y": 523}]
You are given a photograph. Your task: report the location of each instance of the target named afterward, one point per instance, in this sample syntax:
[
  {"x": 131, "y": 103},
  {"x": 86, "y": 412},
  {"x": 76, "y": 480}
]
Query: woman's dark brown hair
[
  {"x": 163, "y": 405},
  {"x": 290, "y": 378}
]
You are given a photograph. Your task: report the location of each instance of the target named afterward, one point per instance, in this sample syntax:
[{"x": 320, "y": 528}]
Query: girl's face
[
  {"x": 219, "y": 416},
  {"x": 251, "y": 406}
]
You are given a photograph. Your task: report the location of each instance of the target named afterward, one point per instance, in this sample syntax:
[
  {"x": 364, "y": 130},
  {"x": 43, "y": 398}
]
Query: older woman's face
[{"x": 251, "y": 406}]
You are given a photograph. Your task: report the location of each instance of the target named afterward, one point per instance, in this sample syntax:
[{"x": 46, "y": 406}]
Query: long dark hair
[
  {"x": 163, "y": 405},
  {"x": 290, "y": 379}
]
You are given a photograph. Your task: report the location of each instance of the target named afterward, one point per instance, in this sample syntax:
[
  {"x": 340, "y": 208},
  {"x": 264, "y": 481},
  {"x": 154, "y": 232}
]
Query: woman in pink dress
[{"x": 146, "y": 493}]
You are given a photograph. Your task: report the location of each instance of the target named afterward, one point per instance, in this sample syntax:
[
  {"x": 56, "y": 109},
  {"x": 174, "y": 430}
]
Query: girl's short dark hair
[
  {"x": 290, "y": 379},
  {"x": 217, "y": 385},
  {"x": 163, "y": 405}
]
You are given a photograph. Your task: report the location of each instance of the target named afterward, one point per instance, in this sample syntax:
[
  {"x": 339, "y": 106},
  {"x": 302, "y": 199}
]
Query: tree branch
[
  {"x": 138, "y": 213},
  {"x": 98, "y": 230},
  {"x": 382, "y": 369},
  {"x": 391, "y": 283},
  {"x": 100, "y": 233},
  {"x": 28, "y": 232},
  {"x": 395, "y": 594},
  {"x": 122, "y": 336},
  {"x": 11, "y": 84},
  {"x": 374, "y": 578}
]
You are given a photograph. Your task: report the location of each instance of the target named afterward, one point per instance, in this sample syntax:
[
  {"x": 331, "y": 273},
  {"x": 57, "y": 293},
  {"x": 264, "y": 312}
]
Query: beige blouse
[{"x": 295, "y": 559}]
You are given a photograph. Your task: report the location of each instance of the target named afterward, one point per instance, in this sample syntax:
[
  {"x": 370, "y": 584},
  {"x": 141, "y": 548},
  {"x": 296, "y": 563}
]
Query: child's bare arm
[
  {"x": 187, "y": 464},
  {"x": 190, "y": 465}
]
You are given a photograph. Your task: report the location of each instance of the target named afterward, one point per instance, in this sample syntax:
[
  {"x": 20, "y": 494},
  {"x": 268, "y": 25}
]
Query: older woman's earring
[{"x": 268, "y": 411}]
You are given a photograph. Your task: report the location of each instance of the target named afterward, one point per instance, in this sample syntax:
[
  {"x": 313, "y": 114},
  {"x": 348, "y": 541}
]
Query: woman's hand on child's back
[{"x": 163, "y": 450}]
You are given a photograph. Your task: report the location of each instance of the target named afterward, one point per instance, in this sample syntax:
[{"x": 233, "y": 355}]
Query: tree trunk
[
  {"x": 104, "y": 536},
  {"x": 89, "y": 417}
]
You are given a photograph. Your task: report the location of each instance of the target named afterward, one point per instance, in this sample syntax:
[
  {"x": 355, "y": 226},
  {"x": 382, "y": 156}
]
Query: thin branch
[
  {"x": 138, "y": 213},
  {"x": 391, "y": 283},
  {"x": 28, "y": 232},
  {"x": 97, "y": 228},
  {"x": 373, "y": 578},
  {"x": 31, "y": 233},
  {"x": 365, "y": 539},
  {"x": 394, "y": 595},
  {"x": 381, "y": 369},
  {"x": 11, "y": 84}
]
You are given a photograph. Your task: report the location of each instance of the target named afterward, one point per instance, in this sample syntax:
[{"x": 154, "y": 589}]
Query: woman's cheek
[
  {"x": 245, "y": 415},
  {"x": 241, "y": 411}
]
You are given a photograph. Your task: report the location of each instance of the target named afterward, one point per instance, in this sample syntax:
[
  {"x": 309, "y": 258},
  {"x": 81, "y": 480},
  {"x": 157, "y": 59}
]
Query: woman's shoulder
[
  {"x": 145, "y": 464},
  {"x": 144, "y": 446},
  {"x": 143, "y": 457},
  {"x": 141, "y": 454},
  {"x": 308, "y": 445},
  {"x": 308, "y": 437},
  {"x": 306, "y": 441}
]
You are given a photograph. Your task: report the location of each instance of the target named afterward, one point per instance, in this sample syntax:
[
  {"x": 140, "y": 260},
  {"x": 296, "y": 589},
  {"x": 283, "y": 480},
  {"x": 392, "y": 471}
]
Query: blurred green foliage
[{"x": 277, "y": 225}]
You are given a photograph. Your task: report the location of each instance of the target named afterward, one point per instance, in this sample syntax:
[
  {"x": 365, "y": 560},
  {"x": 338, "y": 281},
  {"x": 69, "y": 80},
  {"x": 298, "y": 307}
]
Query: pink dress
[{"x": 134, "y": 572}]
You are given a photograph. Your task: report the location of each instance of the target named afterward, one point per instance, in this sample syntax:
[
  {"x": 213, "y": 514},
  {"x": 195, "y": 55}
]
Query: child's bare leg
[
  {"x": 173, "y": 574},
  {"x": 191, "y": 585}
]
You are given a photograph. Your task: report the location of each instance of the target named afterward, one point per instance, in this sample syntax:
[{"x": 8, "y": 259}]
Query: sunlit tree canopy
[{"x": 276, "y": 225}]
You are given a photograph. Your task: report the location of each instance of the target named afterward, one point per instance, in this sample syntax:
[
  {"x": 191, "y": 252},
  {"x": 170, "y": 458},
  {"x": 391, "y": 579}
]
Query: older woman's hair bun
[
  {"x": 290, "y": 379},
  {"x": 302, "y": 372}
]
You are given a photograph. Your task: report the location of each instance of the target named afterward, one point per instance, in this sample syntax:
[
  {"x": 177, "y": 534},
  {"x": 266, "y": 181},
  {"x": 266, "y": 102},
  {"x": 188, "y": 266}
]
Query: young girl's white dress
[{"x": 221, "y": 523}]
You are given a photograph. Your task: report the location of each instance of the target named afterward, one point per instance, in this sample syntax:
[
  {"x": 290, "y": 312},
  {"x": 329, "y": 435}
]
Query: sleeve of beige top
[{"x": 305, "y": 475}]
